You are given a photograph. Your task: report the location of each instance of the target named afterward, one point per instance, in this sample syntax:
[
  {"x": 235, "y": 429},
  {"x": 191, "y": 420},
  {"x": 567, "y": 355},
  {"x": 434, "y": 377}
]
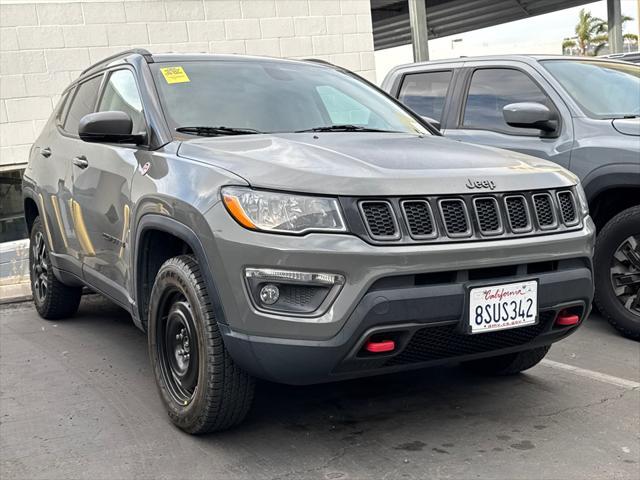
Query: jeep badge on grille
[{"x": 474, "y": 184}]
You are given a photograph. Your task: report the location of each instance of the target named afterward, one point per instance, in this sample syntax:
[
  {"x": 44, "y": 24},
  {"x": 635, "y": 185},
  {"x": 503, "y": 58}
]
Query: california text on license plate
[{"x": 498, "y": 307}]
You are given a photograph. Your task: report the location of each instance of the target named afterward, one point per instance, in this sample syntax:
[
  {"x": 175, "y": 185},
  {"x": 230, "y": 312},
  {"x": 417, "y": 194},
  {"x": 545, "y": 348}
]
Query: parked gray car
[
  {"x": 581, "y": 113},
  {"x": 286, "y": 220}
]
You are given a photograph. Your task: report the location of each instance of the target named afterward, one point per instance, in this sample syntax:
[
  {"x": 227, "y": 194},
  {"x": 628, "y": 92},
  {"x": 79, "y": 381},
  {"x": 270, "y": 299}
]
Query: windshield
[
  {"x": 273, "y": 96},
  {"x": 602, "y": 89}
]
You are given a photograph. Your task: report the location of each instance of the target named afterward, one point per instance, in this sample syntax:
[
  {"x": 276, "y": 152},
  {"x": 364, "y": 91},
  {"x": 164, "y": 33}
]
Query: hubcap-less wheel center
[
  {"x": 625, "y": 274},
  {"x": 178, "y": 348}
]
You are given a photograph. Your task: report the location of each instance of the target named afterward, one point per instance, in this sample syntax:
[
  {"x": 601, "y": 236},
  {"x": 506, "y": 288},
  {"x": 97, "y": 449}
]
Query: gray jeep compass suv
[{"x": 287, "y": 220}]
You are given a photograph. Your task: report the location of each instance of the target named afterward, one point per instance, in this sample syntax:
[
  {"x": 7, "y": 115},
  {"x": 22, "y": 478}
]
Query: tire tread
[
  {"x": 62, "y": 301},
  {"x": 229, "y": 390},
  {"x": 600, "y": 299}
]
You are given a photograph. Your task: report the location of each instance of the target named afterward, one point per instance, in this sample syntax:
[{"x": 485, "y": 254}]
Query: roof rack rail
[
  {"x": 319, "y": 60},
  {"x": 140, "y": 51}
]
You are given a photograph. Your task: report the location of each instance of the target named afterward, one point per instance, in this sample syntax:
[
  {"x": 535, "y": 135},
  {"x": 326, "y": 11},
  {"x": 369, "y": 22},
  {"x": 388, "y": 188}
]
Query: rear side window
[
  {"x": 491, "y": 90},
  {"x": 425, "y": 93},
  {"x": 83, "y": 102},
  {"x": 121, "y": 94},
  {"x": 63, "y": 106}
]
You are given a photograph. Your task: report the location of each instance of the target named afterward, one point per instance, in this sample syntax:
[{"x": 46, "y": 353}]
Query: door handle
[
  {"x": 81, "y": 161},
  {"x": 45, "y": 152}
]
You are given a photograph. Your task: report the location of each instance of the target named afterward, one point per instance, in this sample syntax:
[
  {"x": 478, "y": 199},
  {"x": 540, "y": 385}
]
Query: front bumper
[{"x": 395, "y": 286}]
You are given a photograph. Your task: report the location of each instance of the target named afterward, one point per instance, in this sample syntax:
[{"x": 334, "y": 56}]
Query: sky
[{"x": 521, "y": 36}]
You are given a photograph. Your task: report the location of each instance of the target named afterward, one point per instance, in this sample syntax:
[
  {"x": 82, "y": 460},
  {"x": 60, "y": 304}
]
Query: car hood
[
  {"x": 363, "y": 164},
  {"x": 627, "y": 126}
]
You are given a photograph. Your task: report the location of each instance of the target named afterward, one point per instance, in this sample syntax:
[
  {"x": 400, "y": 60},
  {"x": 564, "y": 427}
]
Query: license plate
[{"x": 498, "y": 307}]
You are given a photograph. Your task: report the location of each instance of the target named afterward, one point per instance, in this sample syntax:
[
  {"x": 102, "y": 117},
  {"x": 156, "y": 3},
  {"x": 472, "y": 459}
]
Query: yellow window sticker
[{"x": 174, "y": 75}]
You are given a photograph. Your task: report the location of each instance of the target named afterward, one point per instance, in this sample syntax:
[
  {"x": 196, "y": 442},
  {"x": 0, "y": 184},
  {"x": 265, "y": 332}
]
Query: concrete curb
[{"x": 14, "y": 272}]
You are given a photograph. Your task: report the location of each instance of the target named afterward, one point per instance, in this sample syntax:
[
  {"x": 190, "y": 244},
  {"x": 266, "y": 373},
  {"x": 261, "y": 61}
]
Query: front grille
[
  {"x": 544, "y": 210},
  {"x": 380, "y": 220},
  {"x": 488, "y": 215},
  {"x": 518, "y": 213},
  {"x": 567, "y": 207},
  {"x": 454, "y": 215},
  {"x": 444, "y": 341},
  {"x": 418, "y": 215},
  {"x": 431, "y": 219}
]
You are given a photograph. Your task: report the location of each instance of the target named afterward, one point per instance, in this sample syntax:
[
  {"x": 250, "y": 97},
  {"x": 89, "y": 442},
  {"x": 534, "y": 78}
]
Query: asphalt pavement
[{"x": 78, "y": 400}]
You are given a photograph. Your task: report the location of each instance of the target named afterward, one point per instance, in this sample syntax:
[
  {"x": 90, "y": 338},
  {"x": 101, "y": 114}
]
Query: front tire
[
  {"x": 200, "y": 384},
  {"x": 617, "y": 272},
  {"x": 53, "y": 299},
  {"x": 510, "y": 364}
]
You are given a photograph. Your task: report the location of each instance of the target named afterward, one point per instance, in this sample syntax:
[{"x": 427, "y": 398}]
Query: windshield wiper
[
  {"x": 214, "y": 131},
  {"x": 342, "y": 128}
]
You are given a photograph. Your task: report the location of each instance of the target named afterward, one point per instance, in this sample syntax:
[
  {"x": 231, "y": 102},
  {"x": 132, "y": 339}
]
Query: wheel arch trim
[
  {"x": 151, "y": 221},
  {"x": 610, "y": 177}
]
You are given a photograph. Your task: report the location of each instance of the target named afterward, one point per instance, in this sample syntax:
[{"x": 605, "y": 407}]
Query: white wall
[{"x": 45, "y": 44}]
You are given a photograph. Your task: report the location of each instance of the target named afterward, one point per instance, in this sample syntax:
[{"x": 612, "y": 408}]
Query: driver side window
[
  {"x": 121, "y": 94},
  {"x": 491, "y": 89}
]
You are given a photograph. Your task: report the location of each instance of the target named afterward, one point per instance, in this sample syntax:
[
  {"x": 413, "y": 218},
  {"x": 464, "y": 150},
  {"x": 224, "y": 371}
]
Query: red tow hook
[
  {"x": 566, "y": 319},
  {"x": 380, "y": 347}
]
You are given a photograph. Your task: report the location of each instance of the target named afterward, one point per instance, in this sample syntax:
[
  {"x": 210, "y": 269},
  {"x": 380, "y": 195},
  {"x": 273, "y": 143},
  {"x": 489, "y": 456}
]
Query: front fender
[{"x": 197, "y": 236}]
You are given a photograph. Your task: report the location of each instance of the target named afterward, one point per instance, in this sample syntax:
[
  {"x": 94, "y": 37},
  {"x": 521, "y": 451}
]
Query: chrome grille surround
[
  {"x": 518, "y": 213},
  {"x": 461, "y": 218},
  {"x": 488, "y": 215},
  {"x": 428, "y": 222},
  {"x": 568, "y": 207},
  {"x": 544, "y": 210},
  {"x": 455, "y": 217},
  {"x": 380, "y": 219}
]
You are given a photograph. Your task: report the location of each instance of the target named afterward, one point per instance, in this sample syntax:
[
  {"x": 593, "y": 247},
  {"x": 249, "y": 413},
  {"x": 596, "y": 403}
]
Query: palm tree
[{"x": 591, "y": 34}]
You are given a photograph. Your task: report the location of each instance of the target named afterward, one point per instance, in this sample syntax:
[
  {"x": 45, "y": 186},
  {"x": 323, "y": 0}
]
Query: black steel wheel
[
  {"x": 176, "y": 340},
  {"x": 199, "y": 383},
  {"x": 617, "y": 272},
  {"x": 53, "y": 299}
]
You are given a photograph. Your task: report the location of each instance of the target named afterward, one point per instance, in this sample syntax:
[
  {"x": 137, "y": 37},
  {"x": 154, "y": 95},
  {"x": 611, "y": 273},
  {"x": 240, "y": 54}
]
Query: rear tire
[
  {"x": 53, "y": 299},
  {"x": 200, "y": 384},
  {"x": 509, "y": 364},
  {"x": 617, "y": 256}
]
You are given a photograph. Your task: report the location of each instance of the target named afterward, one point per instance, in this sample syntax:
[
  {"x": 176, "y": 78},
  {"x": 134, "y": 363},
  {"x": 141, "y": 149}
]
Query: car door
[
  {"x": 486, "y": 89},
  {"x": 102, "y": 187},
  {"x": 56, "y": 148}
]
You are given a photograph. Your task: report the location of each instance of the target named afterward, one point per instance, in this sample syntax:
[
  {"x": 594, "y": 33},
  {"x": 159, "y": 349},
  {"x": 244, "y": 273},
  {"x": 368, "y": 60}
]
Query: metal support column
[
  {"x": 614, "y": 19},
  {"x": 419, "y": 33}
]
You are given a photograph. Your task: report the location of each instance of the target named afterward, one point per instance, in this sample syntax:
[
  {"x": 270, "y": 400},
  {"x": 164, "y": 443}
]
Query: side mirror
[
  {"x": 431, "y": 121},
  {"x": 108, "y": 127},
  {"x": 530, "y": 115}
]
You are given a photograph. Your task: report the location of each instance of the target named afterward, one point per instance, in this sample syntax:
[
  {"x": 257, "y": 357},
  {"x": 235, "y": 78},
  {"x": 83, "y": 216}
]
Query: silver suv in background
[
  {"x": 288, "y": 221},
  {"x": 581, "y": 113}
]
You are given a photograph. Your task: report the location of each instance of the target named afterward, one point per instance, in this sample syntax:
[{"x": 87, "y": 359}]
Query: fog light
[
  {"x": 269, "y": 294},
  {"x": 292, "y": 292}
]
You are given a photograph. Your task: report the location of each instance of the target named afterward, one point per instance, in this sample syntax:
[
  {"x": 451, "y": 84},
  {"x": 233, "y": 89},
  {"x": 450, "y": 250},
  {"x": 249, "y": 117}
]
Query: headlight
[
  {"x": 282, "y": 212},
  {"x": 582, "y": 200}
]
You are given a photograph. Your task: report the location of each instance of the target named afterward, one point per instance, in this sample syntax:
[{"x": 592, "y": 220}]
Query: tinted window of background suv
[
  {"x": 425, "y": 93},
  {"x": 83, "y": 102},
  {"x": 493, "y": 88}
]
